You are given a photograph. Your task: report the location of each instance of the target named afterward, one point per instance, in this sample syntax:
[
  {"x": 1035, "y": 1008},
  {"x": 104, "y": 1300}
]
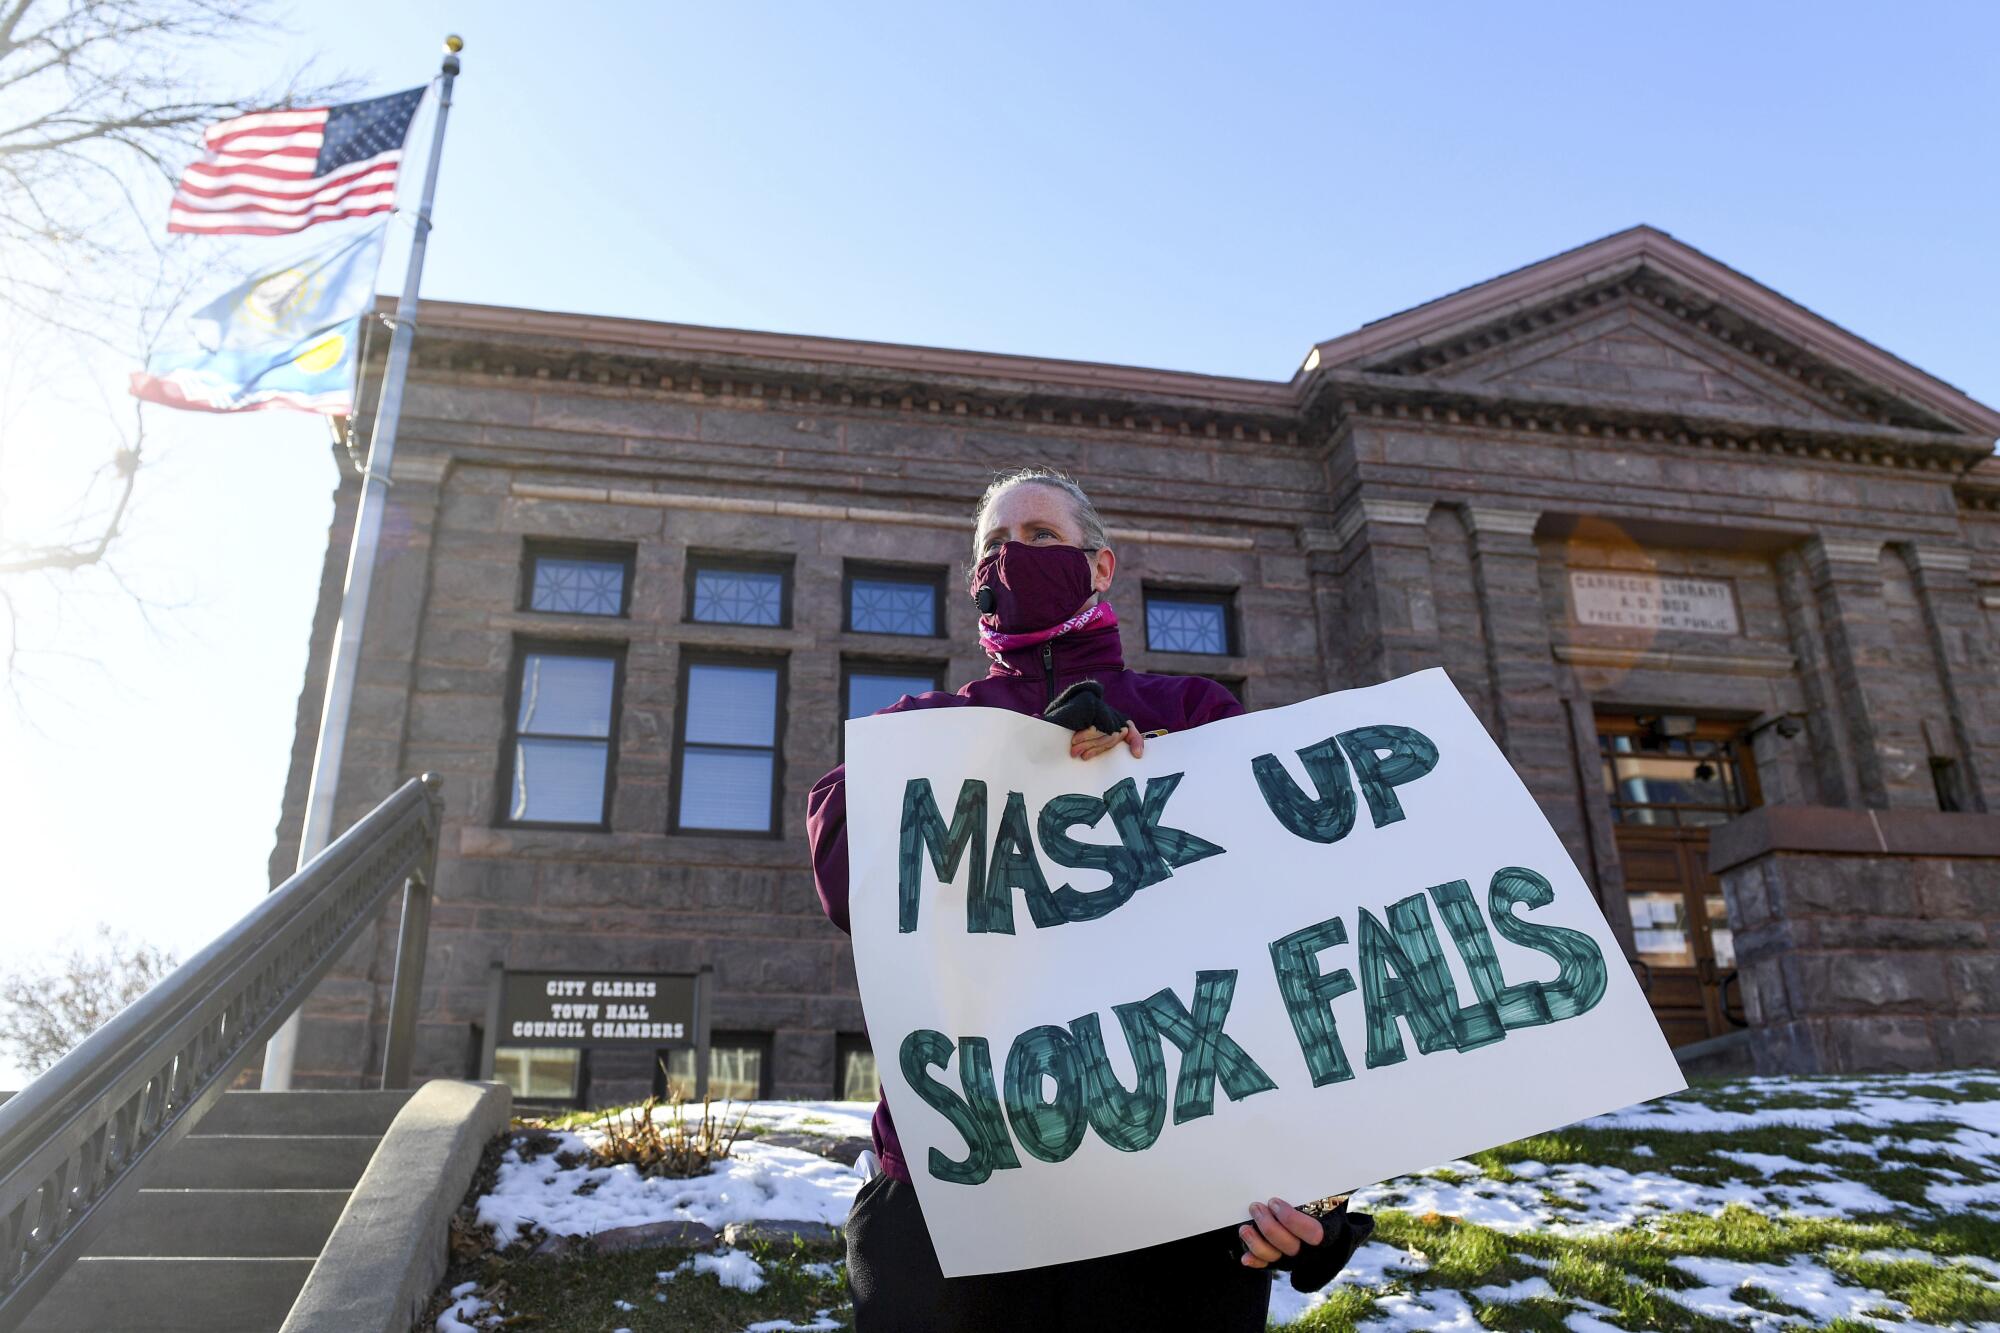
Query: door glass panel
[
  {"x": 1671, "y": 781},
  {"x": 1719, "y": 938},
  {"x": 1660, "y": 929}
]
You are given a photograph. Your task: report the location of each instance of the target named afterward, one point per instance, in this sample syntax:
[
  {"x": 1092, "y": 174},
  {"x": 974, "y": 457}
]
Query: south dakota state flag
[{"x": 286, "y": 338}]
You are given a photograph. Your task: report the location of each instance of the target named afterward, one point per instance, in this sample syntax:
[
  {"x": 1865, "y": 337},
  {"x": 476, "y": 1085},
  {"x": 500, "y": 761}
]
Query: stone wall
[{"x": 1865, "y": 940}]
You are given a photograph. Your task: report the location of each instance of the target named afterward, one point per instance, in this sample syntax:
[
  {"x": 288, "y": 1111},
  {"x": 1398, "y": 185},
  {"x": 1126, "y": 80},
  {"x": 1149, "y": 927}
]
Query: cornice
[
  {"x": 764, "y": 368},
  {"x": 491, "y": 345}
]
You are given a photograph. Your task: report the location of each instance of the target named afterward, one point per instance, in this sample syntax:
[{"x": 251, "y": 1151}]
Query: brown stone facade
[{"x": 1421, "y": 492}]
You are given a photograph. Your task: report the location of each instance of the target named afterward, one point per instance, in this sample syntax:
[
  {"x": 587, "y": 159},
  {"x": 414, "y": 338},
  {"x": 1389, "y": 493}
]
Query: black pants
[{"x": 1194, "y": 1284}]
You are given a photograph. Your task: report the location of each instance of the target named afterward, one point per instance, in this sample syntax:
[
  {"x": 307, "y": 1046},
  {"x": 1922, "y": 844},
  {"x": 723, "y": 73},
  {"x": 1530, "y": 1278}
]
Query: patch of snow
[
  {"x": 1579, "y": 1322},
  {"x": 1766, "y": 1163},
  {"x": 1433, "y": 1310},
  {"x": 1530, "y": 1169},
  {"x": 758, "y": 1181},
  {"x": 822, "y": 1320},
  {"x": 1959, "y": 1198},
  {"x": 734, "y": 1269},
  {"x": 466, "y": 1313},
  {"x": 1802, "y": 1283},
  {"x": 835, "y": 1119},
  {"x": 1527, "y": 1289}
]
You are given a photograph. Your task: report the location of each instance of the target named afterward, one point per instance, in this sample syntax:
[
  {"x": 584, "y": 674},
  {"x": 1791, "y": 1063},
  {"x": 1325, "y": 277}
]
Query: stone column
[
  {"x": 1527, "y": 706},
  {"x": 1846, "y": 579},
  {"x": 1382, "y": 564},
  {"x": 1966, "y": 662}
]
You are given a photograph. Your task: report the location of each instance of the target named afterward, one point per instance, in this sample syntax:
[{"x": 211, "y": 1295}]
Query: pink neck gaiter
[{"x": 995, "y": 643}]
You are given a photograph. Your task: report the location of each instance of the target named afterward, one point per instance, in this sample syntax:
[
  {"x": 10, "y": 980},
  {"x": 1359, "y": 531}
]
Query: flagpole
[{"x": 281, "y": 1051}]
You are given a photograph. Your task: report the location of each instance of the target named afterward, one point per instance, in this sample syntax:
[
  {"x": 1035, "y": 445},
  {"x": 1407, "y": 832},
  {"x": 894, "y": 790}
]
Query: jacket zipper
[{"x": 1049, "y": 671}]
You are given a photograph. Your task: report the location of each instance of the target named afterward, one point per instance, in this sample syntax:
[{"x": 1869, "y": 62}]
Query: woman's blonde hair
[{"x": 1086, "y": 513}]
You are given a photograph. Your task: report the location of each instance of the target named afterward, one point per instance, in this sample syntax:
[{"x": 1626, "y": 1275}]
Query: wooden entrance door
[{"x": 1669, "y": 780}]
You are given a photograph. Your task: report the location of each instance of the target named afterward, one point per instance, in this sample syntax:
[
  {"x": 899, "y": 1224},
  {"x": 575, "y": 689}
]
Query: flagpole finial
[{"x": 453, "y": 44}]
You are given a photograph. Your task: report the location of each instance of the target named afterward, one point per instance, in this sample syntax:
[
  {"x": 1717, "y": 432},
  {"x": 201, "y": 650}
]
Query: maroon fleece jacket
[{"x": 1026, "y": 685}]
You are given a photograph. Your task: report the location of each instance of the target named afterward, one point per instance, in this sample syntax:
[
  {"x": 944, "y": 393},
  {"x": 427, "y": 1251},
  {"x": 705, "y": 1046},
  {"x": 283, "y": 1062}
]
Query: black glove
[
  {"x": 1082, "y": 705},
  {"x": 1316, "y": 1265}
]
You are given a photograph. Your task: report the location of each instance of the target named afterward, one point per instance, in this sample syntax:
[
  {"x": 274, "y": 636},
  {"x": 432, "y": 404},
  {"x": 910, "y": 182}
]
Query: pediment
[
  {"x": 1640, "y": 319},
  {"x": 1630, "y": 353}
]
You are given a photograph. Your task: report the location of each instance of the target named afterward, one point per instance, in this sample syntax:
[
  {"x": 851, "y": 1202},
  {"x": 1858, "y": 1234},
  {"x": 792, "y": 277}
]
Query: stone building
[{"x": 1720, "y": 576}]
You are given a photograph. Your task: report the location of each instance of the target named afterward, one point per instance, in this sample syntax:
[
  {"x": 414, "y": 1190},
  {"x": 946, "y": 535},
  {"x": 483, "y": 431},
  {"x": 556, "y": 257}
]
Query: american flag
[{"x": 274, "y": 172}]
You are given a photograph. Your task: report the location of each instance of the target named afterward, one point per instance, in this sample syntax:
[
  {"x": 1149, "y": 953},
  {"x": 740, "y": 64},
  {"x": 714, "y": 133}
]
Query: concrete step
[
  {"x": 221, "y": 1224},
  {"x": 302, "y": 1113},
  {"x": 171, "y": 1296},
  {"x": 265, "y": 1161}
]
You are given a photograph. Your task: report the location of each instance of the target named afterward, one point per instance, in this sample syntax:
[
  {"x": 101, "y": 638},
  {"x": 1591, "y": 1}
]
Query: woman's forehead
[{"x": 1028, "y": 503}]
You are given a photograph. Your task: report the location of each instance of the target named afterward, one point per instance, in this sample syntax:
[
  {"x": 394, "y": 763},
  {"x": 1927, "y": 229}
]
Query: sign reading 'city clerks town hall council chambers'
[
  {"x": 1650, "y": 601},
  {"x": 596, "y": 1009}
]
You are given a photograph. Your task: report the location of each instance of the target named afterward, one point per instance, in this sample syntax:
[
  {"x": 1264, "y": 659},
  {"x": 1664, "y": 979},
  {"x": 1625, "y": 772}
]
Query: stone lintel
[
  {"x": 1655, "y": 659},
  {"x": 1829, "y": 830},
  {"x": 1942, "y": 559},
  {"x": 1836, "y": 552},
  {"x": 1484, "y": 519},
  {"x": 1407, "y": 513}
]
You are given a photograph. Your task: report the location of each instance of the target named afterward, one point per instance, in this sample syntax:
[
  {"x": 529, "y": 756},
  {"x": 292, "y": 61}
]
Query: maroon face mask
[{"x": 1031, "y": 587}]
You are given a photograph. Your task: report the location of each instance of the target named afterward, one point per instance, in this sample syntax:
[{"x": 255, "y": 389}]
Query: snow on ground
[
  {"x": 1906, "y": 1152},
  {"x": 756, "y": 1181}
]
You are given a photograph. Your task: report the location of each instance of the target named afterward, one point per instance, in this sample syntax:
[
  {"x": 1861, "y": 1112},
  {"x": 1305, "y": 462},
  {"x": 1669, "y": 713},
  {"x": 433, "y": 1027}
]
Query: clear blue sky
[{"x": 1212, "y": 188}]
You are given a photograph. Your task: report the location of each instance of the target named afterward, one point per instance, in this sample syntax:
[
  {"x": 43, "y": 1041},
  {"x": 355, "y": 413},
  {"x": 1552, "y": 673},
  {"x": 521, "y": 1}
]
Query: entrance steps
[{"x": 227, "y": 1228}]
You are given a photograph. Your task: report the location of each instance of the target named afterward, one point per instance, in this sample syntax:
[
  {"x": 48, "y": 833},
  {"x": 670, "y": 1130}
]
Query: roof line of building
[
  {"x": 1818, "y": 336},
  {"x": 655, "y": 336}
]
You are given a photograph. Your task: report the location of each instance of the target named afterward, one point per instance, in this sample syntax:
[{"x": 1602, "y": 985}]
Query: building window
[
  {"x": 1945, "y": 778},
  {"x": 575, "y": 580},
  {"x": 739, "y": 1068},
  {"x": 559, "y": 742},
  {"x": 854, "y": 1076},
  {"x": 731, "y": 590},
  {"x": 537, "y": 1073},
  {"x": 870, "y": 687},
  {"x": 728, "y": 775},
  {"x": 894, "y": 601},
  {"x": 1178, "y": 621}
]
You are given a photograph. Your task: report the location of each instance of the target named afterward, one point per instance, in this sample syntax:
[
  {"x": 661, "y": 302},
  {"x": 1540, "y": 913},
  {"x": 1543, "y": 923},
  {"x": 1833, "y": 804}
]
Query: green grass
[{"x": 576, "y": 1294}]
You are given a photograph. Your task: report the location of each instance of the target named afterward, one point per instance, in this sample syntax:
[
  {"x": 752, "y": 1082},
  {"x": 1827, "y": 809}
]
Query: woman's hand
[
  {"x": 1090, "y": 742},
  {"x": 1277, "y": 1230}
]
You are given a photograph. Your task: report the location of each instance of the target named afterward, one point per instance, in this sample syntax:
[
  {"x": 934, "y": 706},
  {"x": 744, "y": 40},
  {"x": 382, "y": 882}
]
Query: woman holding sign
[{"x": 1042, "y": 572}]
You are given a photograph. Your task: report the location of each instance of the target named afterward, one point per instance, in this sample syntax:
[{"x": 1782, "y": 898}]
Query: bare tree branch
[
  {"x": 99, "y": 111},
  {"x": 48, "y": 1005}
]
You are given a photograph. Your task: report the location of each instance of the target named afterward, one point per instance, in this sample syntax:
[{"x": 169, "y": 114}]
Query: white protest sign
[{"x": 1286, "y": 954}]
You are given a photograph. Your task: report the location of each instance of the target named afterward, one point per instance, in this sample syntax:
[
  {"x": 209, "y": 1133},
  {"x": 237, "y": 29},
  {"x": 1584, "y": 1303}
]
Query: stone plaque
[
  {"x": 1652, "y": 602},
  {"x": 597, "y": 1009}
]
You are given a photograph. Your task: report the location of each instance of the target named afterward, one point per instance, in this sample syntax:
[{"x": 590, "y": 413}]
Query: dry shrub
[{"x": 672, "y": 1145}]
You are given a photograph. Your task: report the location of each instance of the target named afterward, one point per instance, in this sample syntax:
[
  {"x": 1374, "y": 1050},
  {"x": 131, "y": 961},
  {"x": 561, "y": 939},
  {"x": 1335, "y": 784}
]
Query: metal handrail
[{"x": 86, "y": 1133}]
